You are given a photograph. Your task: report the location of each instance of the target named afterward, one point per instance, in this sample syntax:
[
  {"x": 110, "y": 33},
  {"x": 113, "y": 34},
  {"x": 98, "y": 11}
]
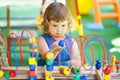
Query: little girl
[{"x": 56, "y": 22}]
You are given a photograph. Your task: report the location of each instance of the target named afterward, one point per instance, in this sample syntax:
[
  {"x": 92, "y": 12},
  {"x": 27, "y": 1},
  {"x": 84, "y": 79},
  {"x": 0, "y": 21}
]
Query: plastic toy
[
  {"x": 84, "y": 6},
  {"x": 98, "y": 16}
]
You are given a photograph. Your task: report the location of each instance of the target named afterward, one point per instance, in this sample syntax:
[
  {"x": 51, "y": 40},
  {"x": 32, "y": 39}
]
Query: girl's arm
[{"x": 42, "y": 47}]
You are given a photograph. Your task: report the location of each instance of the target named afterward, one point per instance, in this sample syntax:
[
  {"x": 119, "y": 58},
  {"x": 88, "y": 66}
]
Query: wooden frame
[{"x": 23, "y": 73}]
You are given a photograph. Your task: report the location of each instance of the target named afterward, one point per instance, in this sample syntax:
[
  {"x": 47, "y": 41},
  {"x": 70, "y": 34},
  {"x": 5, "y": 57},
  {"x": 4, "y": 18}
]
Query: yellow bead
[
  {"x": 65, "y": 71},
  {"x": 32, "y": 40},
  {"x": 49, "y": 78},
  {"x": 49, "y": 55},
  {"x": 47, "y": 73},
  {"x": 107, "y": 77},
  {"x": 1, "y": 73},
  {"x": 32, "y": 61}
]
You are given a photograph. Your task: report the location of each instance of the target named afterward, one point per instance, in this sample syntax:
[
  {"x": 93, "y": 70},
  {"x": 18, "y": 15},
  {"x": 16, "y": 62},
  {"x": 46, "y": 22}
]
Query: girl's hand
[
  {"x": 55, "y": 50},
  {"x": 56, "y": 47}
]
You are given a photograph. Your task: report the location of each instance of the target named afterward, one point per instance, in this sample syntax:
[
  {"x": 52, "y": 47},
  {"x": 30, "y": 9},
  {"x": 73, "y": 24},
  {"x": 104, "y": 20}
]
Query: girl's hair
[{"x": 58, "y": 12}]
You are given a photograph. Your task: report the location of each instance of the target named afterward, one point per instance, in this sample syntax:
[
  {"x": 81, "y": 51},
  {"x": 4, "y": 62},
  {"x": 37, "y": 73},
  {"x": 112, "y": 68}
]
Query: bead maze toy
[
  {"x": 106, "y": 68},
  {"x": 98, "y": 16},
  {"x": 98, "y": 70}
]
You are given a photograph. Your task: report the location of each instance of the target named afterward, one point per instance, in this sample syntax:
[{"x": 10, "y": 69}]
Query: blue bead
[
  {"x": 33, "y": 54},
  {"x": 61, "y": 43},
  {"x": 83, "y": 77},
  {"x": 32, "y": 67},
  {"x": 32, "y": 77},
  {"x": 98, "y": 61},
  {"x": 98, "y": 65},
  {"x": 49, "y": 67}
]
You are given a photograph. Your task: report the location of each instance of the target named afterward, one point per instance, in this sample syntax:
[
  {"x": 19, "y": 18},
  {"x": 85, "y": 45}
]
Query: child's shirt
[{"x": 64, "y": 55}]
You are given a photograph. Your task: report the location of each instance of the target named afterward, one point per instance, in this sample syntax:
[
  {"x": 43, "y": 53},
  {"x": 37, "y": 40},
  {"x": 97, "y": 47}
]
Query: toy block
[
  {"x": 49, "y": 78},
  {"x": 32, "y": 73},
  {"x": 47, "y": 73},
  {"x": 32, "y": 61},
  {"x": 107, "y": 77}
]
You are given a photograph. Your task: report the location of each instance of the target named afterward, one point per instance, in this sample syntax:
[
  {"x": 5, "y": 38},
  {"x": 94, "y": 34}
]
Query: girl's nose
[{"x": 59, "y": 28}]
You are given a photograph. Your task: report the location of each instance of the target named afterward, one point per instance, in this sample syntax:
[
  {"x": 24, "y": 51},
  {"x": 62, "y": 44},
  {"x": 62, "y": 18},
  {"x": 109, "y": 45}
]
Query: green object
[
  {"x": 61, "y": 68},
  {"x": 49, "y": 62},
  {"x": 76, "y": 71},
  {"x": 76, "y": 78},
  {"x": 6, "y": 75},
  {"x": 35, "y": 45}
]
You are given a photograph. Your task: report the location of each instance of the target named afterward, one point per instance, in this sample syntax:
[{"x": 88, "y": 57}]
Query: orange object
[
  {"x": 98, "y": 15},
  {"x": 32, "y": 73},
  {"x": 64, "y": 70}
]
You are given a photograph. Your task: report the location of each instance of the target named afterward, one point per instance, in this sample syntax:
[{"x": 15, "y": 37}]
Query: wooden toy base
[{"x": 23, "y": 74}]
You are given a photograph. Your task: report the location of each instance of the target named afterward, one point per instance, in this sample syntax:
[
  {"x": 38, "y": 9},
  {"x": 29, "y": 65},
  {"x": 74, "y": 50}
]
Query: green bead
[
  {"x": 6, "y": 75},
  {"x": 49, "y": 62},
  {"x": 35, "y": 46},
  {"x": 76, "y": 71},
  {"x": 61, "y": 68},
  {"x": 76, "y": 78}
]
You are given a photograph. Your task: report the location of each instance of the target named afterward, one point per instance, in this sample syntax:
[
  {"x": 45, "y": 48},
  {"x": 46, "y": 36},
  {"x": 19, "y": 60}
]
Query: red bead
[
  {"x": 107, "y": 70},
  {"x": 32, "y": 73},
  {"x": 12, "y": 73}
]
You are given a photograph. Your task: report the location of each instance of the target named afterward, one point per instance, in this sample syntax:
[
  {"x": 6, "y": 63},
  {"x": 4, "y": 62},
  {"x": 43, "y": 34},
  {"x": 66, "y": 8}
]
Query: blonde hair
[{"x": 58, "y": 12}]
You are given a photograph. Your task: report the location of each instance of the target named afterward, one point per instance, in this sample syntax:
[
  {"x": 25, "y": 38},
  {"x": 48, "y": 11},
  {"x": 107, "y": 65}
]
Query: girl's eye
[
  {"x": 54, "y": 25},
  {"x": 63, "y": 25}
]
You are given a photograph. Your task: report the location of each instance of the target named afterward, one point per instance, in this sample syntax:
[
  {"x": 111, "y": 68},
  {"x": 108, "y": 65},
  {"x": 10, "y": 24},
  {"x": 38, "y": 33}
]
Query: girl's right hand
[{"x": 56, "y": 49}]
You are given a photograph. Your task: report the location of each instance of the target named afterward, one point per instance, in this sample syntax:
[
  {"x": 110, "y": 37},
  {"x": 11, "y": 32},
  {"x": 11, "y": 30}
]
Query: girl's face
[{"x": 58, "y": 29}]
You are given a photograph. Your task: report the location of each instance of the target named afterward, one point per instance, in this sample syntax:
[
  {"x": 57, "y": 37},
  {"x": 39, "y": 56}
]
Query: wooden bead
[
  {"x": 12, "y": 73},
  {"x": 49, "y": 55},
  {"x": 1, "y": 73}
]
